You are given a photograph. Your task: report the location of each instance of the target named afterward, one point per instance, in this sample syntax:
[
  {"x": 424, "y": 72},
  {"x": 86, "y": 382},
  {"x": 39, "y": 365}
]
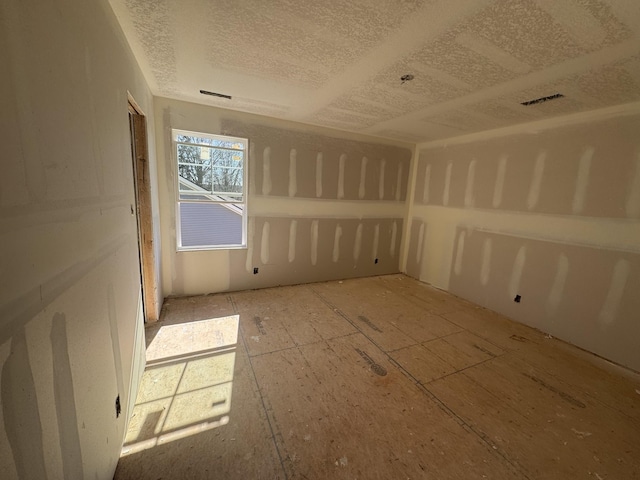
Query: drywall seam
[
  {"x": 408, "y": 213},
  {"x": 270, "y": 206},
  {"x": 590, "y": 61},
  {"x": 538, "y": 126},
  {"x": 612, "y": 234},
  {"x": 582, "y": 181}
]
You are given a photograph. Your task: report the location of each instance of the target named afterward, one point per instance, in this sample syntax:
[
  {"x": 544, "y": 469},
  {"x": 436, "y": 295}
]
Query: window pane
[
  {"x": 194, "y": 169},
  {"x": 227, "y": 174},
  {"x": 210, "y": 224}
]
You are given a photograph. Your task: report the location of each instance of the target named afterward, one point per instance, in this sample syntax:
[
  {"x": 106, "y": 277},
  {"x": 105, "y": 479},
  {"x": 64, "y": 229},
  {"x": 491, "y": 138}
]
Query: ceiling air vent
[
  {"x": 542, "y": 99},
  {"x": 214, "y": 94}
]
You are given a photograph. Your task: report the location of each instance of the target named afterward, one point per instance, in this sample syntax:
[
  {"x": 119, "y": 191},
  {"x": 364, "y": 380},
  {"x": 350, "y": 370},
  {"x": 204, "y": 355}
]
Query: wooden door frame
[{"x": 142, "y": 185}]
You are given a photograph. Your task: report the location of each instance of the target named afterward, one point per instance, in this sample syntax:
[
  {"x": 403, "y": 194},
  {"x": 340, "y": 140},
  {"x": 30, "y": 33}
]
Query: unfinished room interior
[{"x": 363, "y": 239}]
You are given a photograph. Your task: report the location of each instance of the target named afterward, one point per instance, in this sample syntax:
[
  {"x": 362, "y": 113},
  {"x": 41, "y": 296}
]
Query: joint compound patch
[
  {"x": 260, "y": 325},
  {"x": 375, "y": 368},
  {"x": 369, "y": 323}
]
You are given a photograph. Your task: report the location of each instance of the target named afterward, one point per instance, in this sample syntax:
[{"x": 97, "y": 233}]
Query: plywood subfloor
[{"x": 377, "y": 378}]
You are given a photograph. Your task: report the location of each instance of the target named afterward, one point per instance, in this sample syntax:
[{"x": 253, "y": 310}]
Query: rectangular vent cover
[
  {"x": 214, "y": 94},
  {"x": 542, "y": 99}
]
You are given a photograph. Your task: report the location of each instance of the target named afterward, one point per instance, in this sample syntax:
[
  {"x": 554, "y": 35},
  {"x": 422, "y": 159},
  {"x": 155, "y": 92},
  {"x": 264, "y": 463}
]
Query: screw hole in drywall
[
  {"x": 375, "y": 261},
  {"x": 517, "y": 299},
  {"x": 255, "y": 270}
]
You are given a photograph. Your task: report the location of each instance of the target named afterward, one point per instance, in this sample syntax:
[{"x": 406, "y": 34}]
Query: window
[{"x": 212, "y": 197}]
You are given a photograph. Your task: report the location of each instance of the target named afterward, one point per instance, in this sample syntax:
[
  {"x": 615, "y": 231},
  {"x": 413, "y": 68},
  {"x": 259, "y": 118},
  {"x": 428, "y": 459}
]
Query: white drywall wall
[
  {"x": 70, "y": 287},
  {"x": 549, "y": 211},
  {"x": 313, "y": 208}
]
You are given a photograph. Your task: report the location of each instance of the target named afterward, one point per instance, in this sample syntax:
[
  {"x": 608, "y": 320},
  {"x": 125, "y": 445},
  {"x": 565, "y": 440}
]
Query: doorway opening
[{"x": 142, "y": 189}]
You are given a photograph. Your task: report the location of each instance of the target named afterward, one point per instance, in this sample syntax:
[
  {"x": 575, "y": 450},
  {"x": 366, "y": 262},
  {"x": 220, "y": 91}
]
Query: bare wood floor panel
[{"x": 374, "y": 378}]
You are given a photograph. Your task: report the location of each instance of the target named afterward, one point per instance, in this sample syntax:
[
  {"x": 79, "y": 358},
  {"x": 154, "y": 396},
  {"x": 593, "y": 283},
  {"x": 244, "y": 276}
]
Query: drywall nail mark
[
  {"x": 633, "y": 198},
  {"x": 376, "y": 240},
  {"x": 251, "y": 227},
  {"x": 293, "y": 233},
  {"x": 264, "y": 244},
  {"x": 557, "y": 288},
  {"x": 319, "y": 160},
  {"x": 357, "y": 245},
  {"x": 293, "y": 179},
  {"x": 383, "y": 164},
  {"x": 420, "y": 244},
  {"x": 616, "y": 289},
  {"x": 427, "y": 181},
  {"x": 394, "y": 235},
  {"x": 363, "y": 177},
  {"x": 536, "y": 181},
  {"x": 314, "y": 242},
  {"x": 499, "y": 186},
  {"x": 457, "y": 266},
  {"x": 485, "y": 269},
  {"x": 399, "y": 183},
  {"x": 336, "y": 244},
  {"x": 343, "y": 160},
  {"x": 516, "y": 272},
  {"x": 471, "y": 176},
  {"x": 582, "y": 180},
  {"x": 266, "y": 171},
  {"x": 447, "y": 182}
]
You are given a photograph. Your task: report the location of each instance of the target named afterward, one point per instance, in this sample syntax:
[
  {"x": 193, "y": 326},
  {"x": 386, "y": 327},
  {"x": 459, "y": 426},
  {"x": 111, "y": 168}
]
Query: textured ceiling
[{"x": 338, "y": 63}]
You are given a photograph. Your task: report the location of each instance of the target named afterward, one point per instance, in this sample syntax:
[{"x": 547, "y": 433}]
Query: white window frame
[{"x": 245, "y": 190}]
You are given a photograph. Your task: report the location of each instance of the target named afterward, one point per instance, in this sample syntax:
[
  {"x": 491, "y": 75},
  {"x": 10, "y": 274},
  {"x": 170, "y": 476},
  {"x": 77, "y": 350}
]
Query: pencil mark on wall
[{"x": 582, "y": 180}]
